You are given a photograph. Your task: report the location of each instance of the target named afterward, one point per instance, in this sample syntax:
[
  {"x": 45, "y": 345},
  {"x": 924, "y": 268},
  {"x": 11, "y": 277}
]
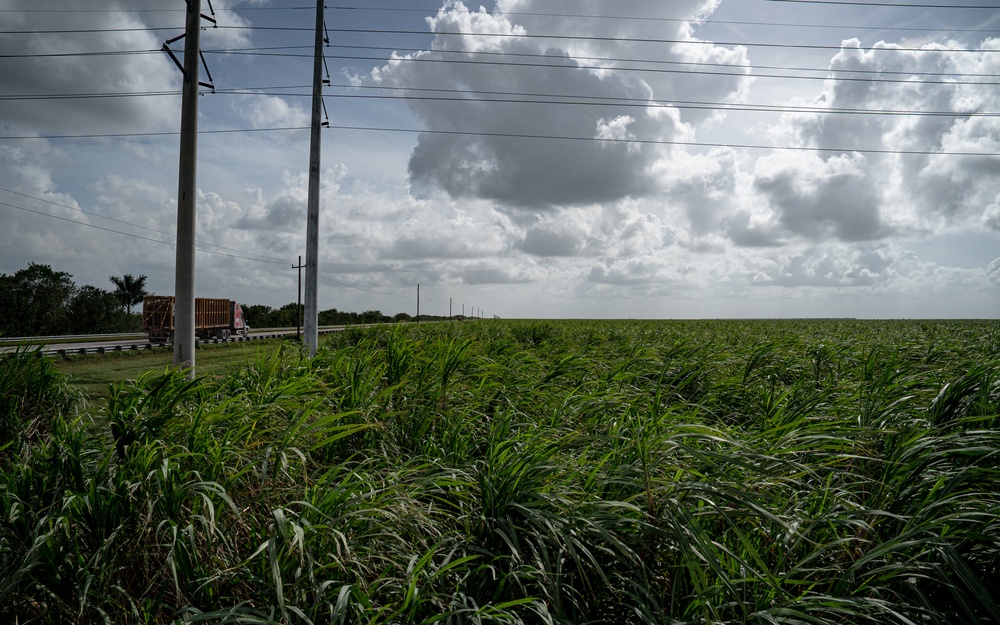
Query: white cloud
[
  {"x": 609, "y": 223},
  {"x": 539, "y": 173},
  {"x": 264, "y": 111}
]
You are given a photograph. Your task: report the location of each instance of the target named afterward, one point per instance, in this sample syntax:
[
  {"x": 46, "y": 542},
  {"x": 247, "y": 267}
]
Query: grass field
[
  {"x": 95, "y": 374},
  {"x": 820, "y": 472}
]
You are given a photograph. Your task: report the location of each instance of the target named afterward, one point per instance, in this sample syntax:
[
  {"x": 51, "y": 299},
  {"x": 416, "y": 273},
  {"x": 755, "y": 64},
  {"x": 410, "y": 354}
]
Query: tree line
[{"x": 39, "y": 301}]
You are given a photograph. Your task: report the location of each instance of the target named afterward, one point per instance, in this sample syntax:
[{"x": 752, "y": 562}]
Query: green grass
[
  {"x": 94, "y": 374},
  {"x": 820, "y": 472}
]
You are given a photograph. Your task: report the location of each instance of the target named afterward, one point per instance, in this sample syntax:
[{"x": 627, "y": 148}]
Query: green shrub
[{"x": 31, "y": 393}]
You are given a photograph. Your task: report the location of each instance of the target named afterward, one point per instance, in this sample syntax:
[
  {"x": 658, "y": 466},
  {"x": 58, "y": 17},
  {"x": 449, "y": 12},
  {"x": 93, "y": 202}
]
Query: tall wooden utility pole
[
  {"x": 310, "y": 332},
  {"x": 186, "y": 195}
]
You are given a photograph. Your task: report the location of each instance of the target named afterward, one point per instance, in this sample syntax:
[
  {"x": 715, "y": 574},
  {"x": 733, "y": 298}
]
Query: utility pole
[
  {"x": 311, "y": 325},
  {"x": 449, "y": 309},
  {"x": 184, "y": 339},
  {"x": 298, "y": 307},
  {"x": 418, "y": 303}
]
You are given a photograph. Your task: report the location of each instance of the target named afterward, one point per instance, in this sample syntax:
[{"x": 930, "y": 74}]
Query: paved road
[{"x": 113, "y": 344}]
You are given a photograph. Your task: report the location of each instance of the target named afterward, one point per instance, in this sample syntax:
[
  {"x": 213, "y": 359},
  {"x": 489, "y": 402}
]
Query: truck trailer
[{"x": 213, "y": 318}]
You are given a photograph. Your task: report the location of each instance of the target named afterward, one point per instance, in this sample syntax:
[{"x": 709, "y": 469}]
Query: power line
[
  {"x": 655, "y": 70},
  {"x": 748, "y": 146},
  {"x": 42, "y": 55},
  {"x": 637, "y": 102},
  {"x": 96, "y": 10},
  {"x": 357, "y": 288},
  {"x": 604, "y": 68},
  {"x": 148, "y": 10},
  {"x": 259, "y": 257},
  {"x": 899, "y": 5},
  {"x": 752, "y": 73},
  {"x": 79, "y": 31},
  {"x": 693, "y": 21},
  {"x": 550, "y": 137},
  {"x": 430, "y": 9},
  {"x": 662, "y": 62},
  {"x": 85, "y": 96},
  {"x": 709, "y": 106},
  {"x": 134, "y": 236},
  {"x": 679, "y": 20},
  {"x": 155, "y": 134},
  {"x": 748, "y": 44}
]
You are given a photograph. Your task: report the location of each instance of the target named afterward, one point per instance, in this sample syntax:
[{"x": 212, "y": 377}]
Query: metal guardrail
[
  {"x": 137, "y": 347},
  {"x": 16, "y": 340},
  {"x": 8, "y": 342},
  {"x": 111, "y": 349}
]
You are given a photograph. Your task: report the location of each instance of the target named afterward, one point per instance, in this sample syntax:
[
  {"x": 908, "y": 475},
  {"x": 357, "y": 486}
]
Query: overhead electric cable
[
  {"x": 134, "y": 236},
  {"x": 834, "y": 70},
  {"x": 86, "y": 96},
  {"x": 901, "y": 5},
  {"x": 39, "y": 55},
  {"x": 680, "y": 20},
  {"x": 749, "y": 146},
  {"x": 155, "y": 134},
  {"x": 711, "y": 106},
  {"x": 656, "y": 70},
  {"x": 75, "y": 31},
  {"x": 94, "y": 10},
  {"x": 749, "y": 44},
  {"x": 350, "y": 286},
  {"x": 259, "y": 257},
  {"x": 553, "y": 137}
]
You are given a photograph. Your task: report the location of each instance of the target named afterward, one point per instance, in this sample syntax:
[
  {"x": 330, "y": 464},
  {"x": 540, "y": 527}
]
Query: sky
[{"x": 521, "y": 158}]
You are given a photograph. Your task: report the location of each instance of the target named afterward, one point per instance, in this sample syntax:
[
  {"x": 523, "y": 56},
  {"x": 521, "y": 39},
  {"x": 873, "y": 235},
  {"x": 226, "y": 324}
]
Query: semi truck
[{"x": 213, "y": 318}]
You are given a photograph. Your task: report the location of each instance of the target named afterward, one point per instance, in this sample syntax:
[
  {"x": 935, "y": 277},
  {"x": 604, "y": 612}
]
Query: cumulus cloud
[
  {"x": 840, "y": 193},
  {"x": 826, "y": 266},
  {"x": 993, "y": 271},
  {"x": 821, "y": 198},
  {"x": 47, "y": 63},
  {"x": 522, "y": 173},
  {"x": 263, "y": 111},
  {"x": 623, "y": 213}
]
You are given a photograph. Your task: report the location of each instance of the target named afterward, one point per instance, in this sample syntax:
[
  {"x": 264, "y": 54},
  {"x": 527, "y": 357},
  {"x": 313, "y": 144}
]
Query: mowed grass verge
[{"x": 94, "y": 374}]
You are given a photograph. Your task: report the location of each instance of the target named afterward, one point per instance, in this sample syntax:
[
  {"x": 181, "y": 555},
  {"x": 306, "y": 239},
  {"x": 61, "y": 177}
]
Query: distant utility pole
[
  {"x": 449, "y": 308},
  {"x": 298, "y": 307},
  {"x": 184, "y": 339},
  {"x": 311, "y": 325},
  {"x": 418, "y": 303}
]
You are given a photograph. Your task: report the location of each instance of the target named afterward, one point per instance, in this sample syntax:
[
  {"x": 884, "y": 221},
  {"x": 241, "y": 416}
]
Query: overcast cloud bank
[{"x": 627, "y": 198}]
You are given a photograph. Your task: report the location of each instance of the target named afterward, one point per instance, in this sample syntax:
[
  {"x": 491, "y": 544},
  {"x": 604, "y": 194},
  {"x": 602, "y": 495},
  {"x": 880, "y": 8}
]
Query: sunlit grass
[
  {"x": 525, "y": 472},
  {"x": 94, "y": 374}
]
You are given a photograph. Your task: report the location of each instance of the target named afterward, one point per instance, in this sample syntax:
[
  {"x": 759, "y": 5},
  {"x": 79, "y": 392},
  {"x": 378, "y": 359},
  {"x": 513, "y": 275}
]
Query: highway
[{"x": 109, "y": 343}]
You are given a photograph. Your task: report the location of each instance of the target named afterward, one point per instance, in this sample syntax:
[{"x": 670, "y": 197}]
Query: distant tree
[
  {"x": 129, "y": 290},
  {"x": 330, "y": 317},
  {"x": 34, "y": 300},
  {"x": 373, "y": 316},
  {"x": 287, "y": 316},
  {"x": 257, "y": 315},
  {"x": 94, "y": 310}
]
